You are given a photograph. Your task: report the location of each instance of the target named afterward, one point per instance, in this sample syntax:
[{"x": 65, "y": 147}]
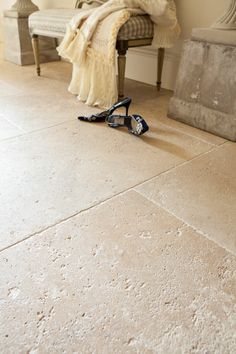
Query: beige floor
[{"x": 111, "y": 243}]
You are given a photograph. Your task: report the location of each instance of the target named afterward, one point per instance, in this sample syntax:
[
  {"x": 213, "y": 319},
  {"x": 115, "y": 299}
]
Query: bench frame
[{"x": 121, "y": 46}]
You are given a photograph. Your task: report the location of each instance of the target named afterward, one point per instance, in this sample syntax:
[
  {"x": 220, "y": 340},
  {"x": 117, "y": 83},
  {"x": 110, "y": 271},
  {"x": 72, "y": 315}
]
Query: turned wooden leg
[
  {"x": 35, "y": 44},
  {"x": 121, "y": 72},
  {"x": 161, "y": 55},
  {"x": 121, "y": 47}
]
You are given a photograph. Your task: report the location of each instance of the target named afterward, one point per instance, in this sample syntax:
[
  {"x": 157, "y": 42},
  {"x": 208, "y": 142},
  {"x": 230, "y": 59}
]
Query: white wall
[
  {"x": 4, "y": 4},
  {"x": 199, "y": 13},
  {"x": 141, "y": 62}
]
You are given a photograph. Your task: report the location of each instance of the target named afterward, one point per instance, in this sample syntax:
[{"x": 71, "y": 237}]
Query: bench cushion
[
  {"x": 52, "y": 23},
  {"x": 138, "y": 27}
]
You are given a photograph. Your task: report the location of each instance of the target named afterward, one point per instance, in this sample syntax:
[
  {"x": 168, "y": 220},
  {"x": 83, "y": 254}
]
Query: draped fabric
[{"x": 90, "y": 43}]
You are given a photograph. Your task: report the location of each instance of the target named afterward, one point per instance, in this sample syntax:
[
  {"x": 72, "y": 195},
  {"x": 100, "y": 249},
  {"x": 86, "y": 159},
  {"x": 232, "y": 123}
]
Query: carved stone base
[
  {"x": 17, "y": 41},
  {"x": 199, "y": 116},
  {"x": 205, "y": 94}
]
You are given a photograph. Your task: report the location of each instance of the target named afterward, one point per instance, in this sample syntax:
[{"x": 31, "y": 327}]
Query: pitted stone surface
[
  {"x": 124, "y": 277},
  {"x": 218, "y": 81},
  {"x": 208, "y": 119},
  {"x": 202, "y": 193},
  {"x": 205, "y": 94},
  {"x": 190, "y": 72},
  {"x": 52, "y": 174}
]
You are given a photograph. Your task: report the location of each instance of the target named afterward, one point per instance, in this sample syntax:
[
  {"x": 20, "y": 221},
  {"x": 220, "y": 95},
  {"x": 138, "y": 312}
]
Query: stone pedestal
[
  {"x": 17, "y": 41},
  {"x": 216, "y": 36},
  {"x": 205, "y": 93}
]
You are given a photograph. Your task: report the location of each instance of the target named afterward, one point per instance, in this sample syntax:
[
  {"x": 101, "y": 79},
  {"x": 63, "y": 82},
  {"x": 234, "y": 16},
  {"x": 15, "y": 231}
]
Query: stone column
[
  {"x": 205, "y": 92},
  {"x": 228, "y": 20},
  {"x": 17, "y": 41}
]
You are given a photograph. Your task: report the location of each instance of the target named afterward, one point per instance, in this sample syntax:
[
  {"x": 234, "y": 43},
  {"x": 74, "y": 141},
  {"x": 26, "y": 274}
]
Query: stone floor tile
[
  {"x": 33, "y": 111},
  {"x": 7, "y": 89},
  {"x": 175, "y": 141},
  {"x": 152, "y": 105},
  {"x": 54, "y": 79},
  {"x": 54, "y": 173},
  {"x": 202, "y": 193},
  {"x": 8, "y": 130},
  {"x": 123, "y": 277},
  {"x": 1, "y": 52},
  {"x": 33, "y": 102}
]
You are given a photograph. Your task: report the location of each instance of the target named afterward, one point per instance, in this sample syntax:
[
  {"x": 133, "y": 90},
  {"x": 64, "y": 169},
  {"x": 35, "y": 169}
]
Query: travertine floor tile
[
  {"x": 152, "y": 105},
  {"x": 174, "y": 141},
  {"x": 8, "y": 130},
  {"x": 1, "y": 51},
  {"x": 52, "y": 174},
  {"x": 53, "y": 81},
  {"x": 7, "y": 89},
  {"x": 202, "y": 193},
  {"x": 33, "y": 112},
  {"x": 33, "y": 102},
  {"x": 123, "y": 277}
]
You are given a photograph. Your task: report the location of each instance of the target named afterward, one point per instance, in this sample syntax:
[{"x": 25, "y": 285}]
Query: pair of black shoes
[{"x": 135, "y": 123}]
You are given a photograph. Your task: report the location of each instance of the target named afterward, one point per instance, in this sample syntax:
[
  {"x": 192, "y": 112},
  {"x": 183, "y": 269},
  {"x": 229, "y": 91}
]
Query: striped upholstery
[{"x": 52, "y": 23}]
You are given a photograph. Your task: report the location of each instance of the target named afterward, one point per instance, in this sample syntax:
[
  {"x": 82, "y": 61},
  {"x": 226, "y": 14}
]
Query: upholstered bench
[{"x": 136, "y": 32}]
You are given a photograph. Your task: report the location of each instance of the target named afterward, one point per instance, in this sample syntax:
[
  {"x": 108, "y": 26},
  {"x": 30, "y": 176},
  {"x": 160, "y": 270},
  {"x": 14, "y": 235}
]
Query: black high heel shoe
[
  {"x": 136, "y": 124},
  {"x": 101, "y": 117}
]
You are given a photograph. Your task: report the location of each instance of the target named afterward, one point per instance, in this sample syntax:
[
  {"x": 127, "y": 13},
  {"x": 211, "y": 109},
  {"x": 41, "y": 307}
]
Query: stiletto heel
[
  {"x": 127, "y": 108},
  {"x": 124, "y": 103},
  {"x": 136, "y": 124},
  {"x": 101, "y": 117}
]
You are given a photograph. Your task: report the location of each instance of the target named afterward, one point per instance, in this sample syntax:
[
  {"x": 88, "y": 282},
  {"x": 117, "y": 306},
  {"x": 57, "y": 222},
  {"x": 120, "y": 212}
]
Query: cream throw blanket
[{"x": 90, "y": 44}]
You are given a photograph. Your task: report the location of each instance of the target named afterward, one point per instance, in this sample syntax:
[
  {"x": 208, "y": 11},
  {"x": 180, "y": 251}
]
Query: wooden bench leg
[
  {"x": 35, "y": 45},
  {"x": 121, "y": 72},
  {"x": 121, "y": 47},
  {"x": 161, "y": 55}
]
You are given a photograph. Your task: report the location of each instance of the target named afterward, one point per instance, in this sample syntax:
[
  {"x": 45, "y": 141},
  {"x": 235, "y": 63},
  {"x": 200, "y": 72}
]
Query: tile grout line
[
  {"x": 66, "y": 219},
  {"x": 48, "y": 227},
  {"x": 12, "y": 123},
  {"x": 15, "y": 125},
  {"x": 26, "y": 133},
  {"x": 104, "y": 201},
  {"x": 214, "y": 148},
  {"x": 202, "y": 233}
]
